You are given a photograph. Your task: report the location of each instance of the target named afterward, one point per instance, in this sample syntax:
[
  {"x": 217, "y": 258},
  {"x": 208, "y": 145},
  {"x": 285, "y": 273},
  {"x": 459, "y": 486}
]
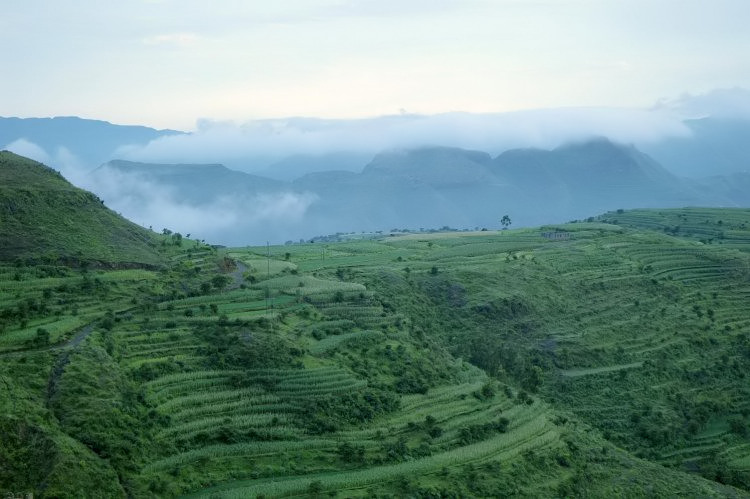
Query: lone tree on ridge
[{"x": 505, "y": 221}]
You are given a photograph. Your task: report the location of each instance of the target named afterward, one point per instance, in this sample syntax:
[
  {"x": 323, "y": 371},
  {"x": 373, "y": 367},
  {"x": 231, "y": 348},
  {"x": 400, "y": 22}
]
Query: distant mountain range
[
  {"x": 303, "y": 195},
  {"x": 437, "y": 186},
  {"x": 92, "y": 142}
]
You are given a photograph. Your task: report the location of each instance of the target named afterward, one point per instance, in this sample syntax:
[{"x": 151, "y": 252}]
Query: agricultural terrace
[{"x": 608, "y": 362}]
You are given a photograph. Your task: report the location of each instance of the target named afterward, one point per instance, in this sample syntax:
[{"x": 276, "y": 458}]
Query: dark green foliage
[
  {"x": 153, "y": 370},
  {"x": 97, "y": 405},
  {"x": 431, "y": 427},
  {"x": 41, "y": 338},
  {"x": 739, "y": 425},
  {"x": 487, "y": 392},
  {"x": 411, "y": 382},
  {"x": 479, "y": 432},
  {"x": 27, "y": 453},
  {"x": 315, "y": 488},
  {"x": 396, "y": 450},
  {"x": 219, "y": 281},
  {"x": 351, "y": 454},
  {"x": 227, "y": 345},
  {"x": 34, "y": 460},
  {"x": 330, "y": 413}
]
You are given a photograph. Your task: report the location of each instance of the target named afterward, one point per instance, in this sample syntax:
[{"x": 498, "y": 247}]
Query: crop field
[
  {"x": 256, "y": 421},
  {"x": 260, "y": 266},
  {"x": 612, "y": 359},
  {"x": 656, "y": 303},
  {"x": 534, "y": 435},
  {"x": 622, "y": 319},
  {"x": 307, "y": 285}
]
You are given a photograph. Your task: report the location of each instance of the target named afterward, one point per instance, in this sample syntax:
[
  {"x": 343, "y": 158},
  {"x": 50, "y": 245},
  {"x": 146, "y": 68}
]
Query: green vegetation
[
  {"x": 609, "y": 362},
  {"x": 45, "y": 219}
]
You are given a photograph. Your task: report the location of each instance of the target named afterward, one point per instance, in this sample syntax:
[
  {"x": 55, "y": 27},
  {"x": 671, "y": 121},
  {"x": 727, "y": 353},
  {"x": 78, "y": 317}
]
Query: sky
[{"x": 176, "y": 64}]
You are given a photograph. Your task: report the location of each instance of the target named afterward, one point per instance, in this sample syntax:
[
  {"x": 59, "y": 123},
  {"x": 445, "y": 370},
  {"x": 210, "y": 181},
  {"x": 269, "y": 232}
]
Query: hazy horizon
[
  {"x": 263, "y": 87},
  {"x": 166, "y": 64}
]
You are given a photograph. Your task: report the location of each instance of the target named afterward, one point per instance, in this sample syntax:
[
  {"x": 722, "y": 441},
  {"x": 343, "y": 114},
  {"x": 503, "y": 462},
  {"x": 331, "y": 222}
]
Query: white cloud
[
  {"x": 226, "y": 219},
  {"x": 253, "y": 145},
  {"x": 28, "y": 149},
  {"x": 719, "y": 103},
  {"x": 172, "y": 39}
]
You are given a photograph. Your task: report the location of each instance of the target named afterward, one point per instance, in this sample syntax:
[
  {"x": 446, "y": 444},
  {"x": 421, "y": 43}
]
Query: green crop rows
[{"x": 611, "y": 362}]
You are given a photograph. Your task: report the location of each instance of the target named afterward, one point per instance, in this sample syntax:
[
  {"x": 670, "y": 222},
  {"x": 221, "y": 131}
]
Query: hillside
[
  {"x": 44, "y": 217},
  {"x": 195, "y": 184},
  {"x": 594, "y": 176},
  {"x": 642, "y": 334},
  {"x": 462, "y": 188},
  {"x": 588, "y": 359},
  {"x": 436, "y": 166}
]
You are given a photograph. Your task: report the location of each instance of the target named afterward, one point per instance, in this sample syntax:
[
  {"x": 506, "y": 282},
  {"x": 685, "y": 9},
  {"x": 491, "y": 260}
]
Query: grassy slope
[
  {"x": 643, "y": 335},
  {"x": 43, "y": 217},
  {"x": 337, "y": 371},
  {"x": 57, "y": 375}
]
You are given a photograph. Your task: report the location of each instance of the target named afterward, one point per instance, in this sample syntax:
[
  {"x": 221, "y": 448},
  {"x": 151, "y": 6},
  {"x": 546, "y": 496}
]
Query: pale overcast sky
[{"x": 166, "y": 63}]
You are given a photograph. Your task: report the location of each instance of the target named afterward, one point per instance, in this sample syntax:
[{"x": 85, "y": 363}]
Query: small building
[{"x": 556, "y": 235}]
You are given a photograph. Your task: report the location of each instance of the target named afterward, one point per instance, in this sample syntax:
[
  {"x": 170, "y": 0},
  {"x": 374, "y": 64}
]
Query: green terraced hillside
[
  {"x": 607, "y": 362},
  {"x": 643, "y": 334},
  {"x": 729, "y": 228},
  {"x": 44, "y": 217}
]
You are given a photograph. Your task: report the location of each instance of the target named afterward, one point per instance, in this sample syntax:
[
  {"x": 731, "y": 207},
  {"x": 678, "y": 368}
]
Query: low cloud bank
[
  {"x": 254, "y": 145},
  {"x": 280, "y": 215},
  {"x": 23, "y": 147},
  {"x": 227, "y": 219},
  {"x": 727, "y": 103}
]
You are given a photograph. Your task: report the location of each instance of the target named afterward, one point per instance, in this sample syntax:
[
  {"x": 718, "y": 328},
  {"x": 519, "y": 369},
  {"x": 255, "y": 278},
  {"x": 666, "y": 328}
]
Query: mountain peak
[
  {"x": 598, "y": 146},
  {"x": 433, "y": 165}
]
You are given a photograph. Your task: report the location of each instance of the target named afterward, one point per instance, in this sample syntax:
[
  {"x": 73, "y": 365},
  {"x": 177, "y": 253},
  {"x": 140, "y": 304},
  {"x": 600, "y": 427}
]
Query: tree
[
  {"x": 219, "y": 281},
  {"x": 315, "y": 488},
  {"x": 505, "y": 221},
  {"x": 41, "y": 338}
]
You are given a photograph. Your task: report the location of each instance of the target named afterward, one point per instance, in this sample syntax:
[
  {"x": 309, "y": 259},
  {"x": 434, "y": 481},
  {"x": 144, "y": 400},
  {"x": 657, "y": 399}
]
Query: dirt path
[
  {"x": 62, "y": 360},
  {"x": 237, "y": 275},
  {"x": 79, "y": 337},
  {"x": 71, "y": 343}
]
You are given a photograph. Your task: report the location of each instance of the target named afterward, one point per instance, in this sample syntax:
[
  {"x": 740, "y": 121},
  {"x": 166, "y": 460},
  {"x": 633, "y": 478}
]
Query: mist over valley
[{"x": 292, "y": 179}]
